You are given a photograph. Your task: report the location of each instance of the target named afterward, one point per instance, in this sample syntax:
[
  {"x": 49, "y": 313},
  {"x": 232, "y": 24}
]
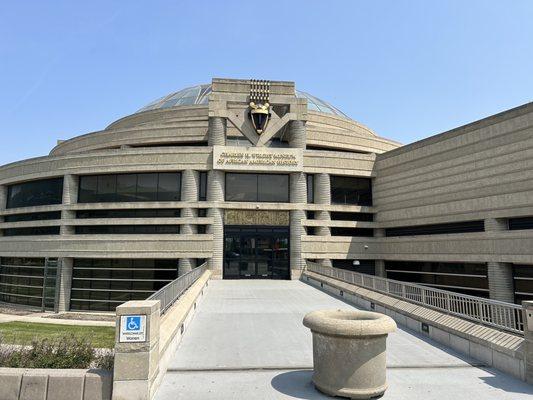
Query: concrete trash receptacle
[{"x": 349, "y": 352}]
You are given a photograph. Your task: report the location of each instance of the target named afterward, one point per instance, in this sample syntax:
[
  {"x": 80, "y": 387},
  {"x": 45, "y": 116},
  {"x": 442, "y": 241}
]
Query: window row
[
  {"x": 35, "y": 193},
  {"x": 130, "y": 187},
  {"x": 129, "y": 213},
  {"x": 127, "y": 229},
  {"x": 437, "y": 229}
]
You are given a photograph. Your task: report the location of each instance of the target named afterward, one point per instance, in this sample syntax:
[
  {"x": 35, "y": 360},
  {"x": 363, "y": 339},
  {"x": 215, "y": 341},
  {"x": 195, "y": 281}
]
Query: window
[
  {"x": 33, "y": 231},
  {"x": 103, "y": 284},
  {"x": 310, "y": 188},
  {"x": 35, "y": 193},
  {"x": 351, "y": 216},
  {"x": 48, "y": 215},
  {"x": 348, "y": 190},
  {"x": 364, "y": 232},
  {"x": 362, "y": 266},
  {"x": 257, "y": 187},
  {"x": 467, "y": 278},
  {"x": 127, "y": 229},
  {"x": 163, "y": 186},
  {"x": 437, "y": 229},
  {"x": 202, "y": 195},
  {"x": 21, "y": 280},
  {"x": 130, "y": 213}
]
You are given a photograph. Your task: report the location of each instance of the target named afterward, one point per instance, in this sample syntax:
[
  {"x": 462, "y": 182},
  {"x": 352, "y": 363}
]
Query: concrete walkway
[{"x": 247, "y": 341}]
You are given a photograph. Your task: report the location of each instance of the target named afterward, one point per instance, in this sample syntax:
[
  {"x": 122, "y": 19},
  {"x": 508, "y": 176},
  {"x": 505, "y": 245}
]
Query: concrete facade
[{"x": 481, "y": 171}]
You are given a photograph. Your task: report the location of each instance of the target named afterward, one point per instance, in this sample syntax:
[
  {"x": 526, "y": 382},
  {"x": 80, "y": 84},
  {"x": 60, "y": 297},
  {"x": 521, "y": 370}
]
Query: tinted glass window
[
  {"x": 257, "y": 187},
  {"x": 203, "y": 186},
  {"x": 35, "y": 193},
  {"x": 348, "y": 190},
  {"x": 273, "y": 188},
  {"x": 147, "y": 187},
  {"x": 127, "y": 187},
  {"x": 310, "y": 188},
  {"x": 241, "y": 187},
  {"x": 168, "y": 187},
  {"x": 130, "y": 187}
]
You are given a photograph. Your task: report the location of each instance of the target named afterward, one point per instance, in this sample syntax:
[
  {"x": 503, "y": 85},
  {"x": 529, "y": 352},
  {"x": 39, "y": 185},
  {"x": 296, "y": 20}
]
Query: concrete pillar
[
  {"x": 501, "y": 285},
  {"x": 380, "y": 264},
  {"x": 322, "y": 194},
  {"x": 298, "y": 195},
  {"x": 189, "y": 193},
  {"x": 527, "y": 307},
  {"x": 70, "y": 196},
  {"x": 500, "y": 275},
  {"x": 65, "y": 284},
  {"x": 217, "y": 131},
  {"x": 137, "y": 364},
  {"x": 215, "y": 194},
  {"x": 297, "y": 134}
]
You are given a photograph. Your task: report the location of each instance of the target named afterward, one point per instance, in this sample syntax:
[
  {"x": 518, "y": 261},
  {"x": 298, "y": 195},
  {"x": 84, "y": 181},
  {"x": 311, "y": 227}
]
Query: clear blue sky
[{"x": 407, "y": 69}]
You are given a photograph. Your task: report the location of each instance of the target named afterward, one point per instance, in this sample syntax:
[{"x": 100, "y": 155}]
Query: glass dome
[{"x": 200, "y": 95}]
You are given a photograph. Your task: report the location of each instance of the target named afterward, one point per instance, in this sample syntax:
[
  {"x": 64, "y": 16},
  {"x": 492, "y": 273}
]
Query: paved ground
[{"x": 247, "y": 341}]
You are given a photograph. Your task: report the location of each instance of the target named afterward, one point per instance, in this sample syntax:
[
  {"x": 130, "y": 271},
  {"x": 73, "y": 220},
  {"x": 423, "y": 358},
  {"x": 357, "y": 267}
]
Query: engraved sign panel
[{"x": 232, "y": 158}]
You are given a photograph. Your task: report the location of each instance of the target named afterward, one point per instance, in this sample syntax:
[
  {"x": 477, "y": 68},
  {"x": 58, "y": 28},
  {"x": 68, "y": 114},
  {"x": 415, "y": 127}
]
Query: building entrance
[{"x": 260, "y": 252}]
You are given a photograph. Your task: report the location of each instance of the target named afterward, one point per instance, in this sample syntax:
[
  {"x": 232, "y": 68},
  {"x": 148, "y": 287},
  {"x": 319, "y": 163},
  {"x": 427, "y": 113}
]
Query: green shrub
[
  {"x": 63, "y": 352},
  {"x": 104, "y": 361}
]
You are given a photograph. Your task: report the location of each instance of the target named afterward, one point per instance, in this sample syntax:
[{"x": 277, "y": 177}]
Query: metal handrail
[
  {"x": 498, "y": 314},
  {"x": 169, "y": 293}
]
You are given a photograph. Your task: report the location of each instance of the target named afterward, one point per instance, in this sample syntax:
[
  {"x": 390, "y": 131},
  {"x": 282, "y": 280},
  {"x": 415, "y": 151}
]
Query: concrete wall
[
  {"x": 55, "y": 384},
  {"x": 491, "y": 347}
]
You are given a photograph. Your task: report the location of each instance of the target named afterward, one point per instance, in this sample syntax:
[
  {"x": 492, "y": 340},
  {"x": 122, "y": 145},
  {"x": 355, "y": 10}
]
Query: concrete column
[
  {"x": 322, "y": 194},
  {"x": 380, "y": 264},
  {"x": 65, "y": 284},
  {"x": 501, "y": 285},
  {"x": 217, "y": 131},
  {"x": 298, "y": 195},
  {"x": 297, "y": 134},
  {"x": 500, "y": 275},
  {"x": 137, "y": 364},
  {"x": 528, "y": 338},
  {"x": 189, "y": 193},
  {"x": 70, "y": 196},
  {"x": 215, "y": 194}
]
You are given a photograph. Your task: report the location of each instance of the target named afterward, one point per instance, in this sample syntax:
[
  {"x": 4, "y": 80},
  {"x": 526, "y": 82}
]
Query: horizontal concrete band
[
  {"x": 55, "y": 384},
  {"x": 501, "y": 350}
]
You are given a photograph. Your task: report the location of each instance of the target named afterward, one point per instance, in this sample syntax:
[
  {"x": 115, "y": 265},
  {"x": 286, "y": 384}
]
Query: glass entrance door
[{"x": 256, "y": 253}]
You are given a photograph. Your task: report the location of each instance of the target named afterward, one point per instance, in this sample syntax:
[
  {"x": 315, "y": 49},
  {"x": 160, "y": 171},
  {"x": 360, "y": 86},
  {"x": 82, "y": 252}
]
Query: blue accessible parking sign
[{"x": 132, "y": 328}]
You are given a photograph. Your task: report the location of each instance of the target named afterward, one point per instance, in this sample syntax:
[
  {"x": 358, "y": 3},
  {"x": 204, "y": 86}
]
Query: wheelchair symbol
[{"x": 133, "y": 323}]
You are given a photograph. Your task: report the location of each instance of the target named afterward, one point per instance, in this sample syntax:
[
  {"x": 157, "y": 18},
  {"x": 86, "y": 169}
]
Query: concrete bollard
[
  {"x": 136, "y": 350},
  {"x": 349, "y": 352}
]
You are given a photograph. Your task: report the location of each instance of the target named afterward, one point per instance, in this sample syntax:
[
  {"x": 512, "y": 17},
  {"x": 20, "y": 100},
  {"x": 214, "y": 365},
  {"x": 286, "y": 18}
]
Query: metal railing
[
  {"x": 169, "y": 293},
  {"x": 498, "y": 314}
]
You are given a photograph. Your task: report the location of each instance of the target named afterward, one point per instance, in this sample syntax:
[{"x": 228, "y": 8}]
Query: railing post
[
  {"x": 136, "y": 352},
  {"x": 527, "y": 315}
]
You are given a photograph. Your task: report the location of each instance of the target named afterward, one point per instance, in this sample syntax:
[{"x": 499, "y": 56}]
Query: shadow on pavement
[{"x": 297, "y": 384}]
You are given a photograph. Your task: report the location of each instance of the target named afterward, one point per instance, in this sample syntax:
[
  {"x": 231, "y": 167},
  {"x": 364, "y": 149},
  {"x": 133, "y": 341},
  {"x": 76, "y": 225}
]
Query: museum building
[{"x": 256, "y": 179}]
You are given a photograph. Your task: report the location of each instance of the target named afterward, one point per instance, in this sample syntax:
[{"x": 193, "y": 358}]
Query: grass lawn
[{"x": 25, "y": 332}]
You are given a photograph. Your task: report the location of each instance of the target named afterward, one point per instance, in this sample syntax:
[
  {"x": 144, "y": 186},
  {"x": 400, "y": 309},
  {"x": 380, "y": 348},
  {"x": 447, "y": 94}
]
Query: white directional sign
[{"x": 132, "y": 328}]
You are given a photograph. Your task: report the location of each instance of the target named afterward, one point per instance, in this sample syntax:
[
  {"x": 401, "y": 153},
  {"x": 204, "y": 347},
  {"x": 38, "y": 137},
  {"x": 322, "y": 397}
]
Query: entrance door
[{"x": 256, "y": 253}]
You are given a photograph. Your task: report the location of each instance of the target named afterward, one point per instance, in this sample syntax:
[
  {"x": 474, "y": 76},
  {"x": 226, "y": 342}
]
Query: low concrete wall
[
  {"x": 139, "y": 367},
  {"x": 55, "y": 384},
  {"x": 501, "y": 350}
]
